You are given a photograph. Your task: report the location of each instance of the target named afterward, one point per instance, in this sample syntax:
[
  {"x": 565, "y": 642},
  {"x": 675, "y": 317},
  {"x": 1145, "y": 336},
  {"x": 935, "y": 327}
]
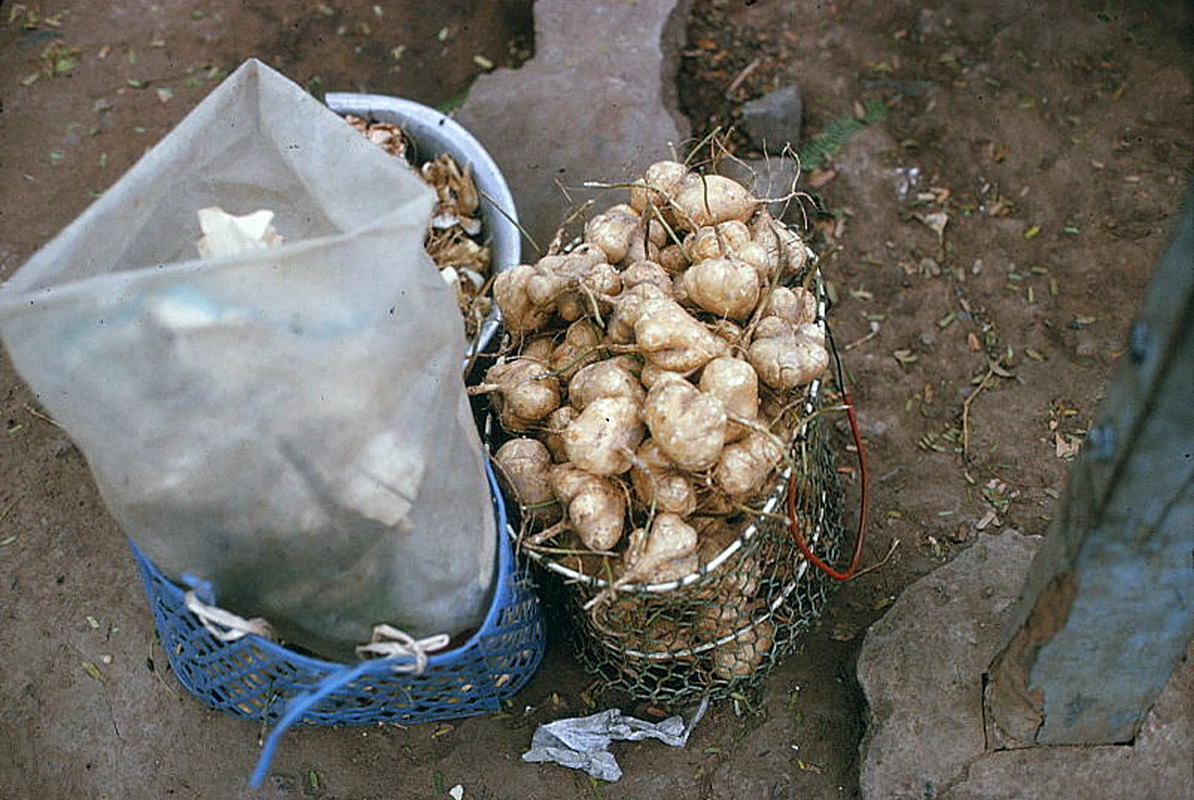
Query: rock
[
  {"x": 921, "y": 669},
  {"x": 773, "y": 120},
  {"x": 599, "y": 106}
]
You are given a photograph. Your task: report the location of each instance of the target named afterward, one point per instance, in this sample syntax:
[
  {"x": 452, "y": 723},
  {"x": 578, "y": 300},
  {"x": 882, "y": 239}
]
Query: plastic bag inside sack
[{"x": 288, "y": 422}]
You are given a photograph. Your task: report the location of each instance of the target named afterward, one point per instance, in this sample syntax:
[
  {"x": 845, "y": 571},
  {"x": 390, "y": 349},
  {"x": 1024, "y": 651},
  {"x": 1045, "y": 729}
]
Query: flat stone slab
[
  {"x": 596, "y": 103},
  {"x": 921, "y": 669}
]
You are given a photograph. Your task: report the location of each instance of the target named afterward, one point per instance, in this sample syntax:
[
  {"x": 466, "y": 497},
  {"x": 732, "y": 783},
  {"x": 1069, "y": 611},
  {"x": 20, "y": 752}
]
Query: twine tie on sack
[
  {"x": 230, "y": 626},
  {"x": 200, "y": 600},
  {"x": 389, "y": 642}
]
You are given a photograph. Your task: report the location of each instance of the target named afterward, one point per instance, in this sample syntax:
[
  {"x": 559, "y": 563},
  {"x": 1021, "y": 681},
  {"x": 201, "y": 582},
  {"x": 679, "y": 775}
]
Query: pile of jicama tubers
[
  {"x": 656, "y": 377},
  {"x": 655, "y": 366}
]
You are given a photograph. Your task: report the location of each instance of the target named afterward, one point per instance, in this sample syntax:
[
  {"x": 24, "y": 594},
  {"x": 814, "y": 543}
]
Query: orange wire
[{"x": 864, "y": 502}]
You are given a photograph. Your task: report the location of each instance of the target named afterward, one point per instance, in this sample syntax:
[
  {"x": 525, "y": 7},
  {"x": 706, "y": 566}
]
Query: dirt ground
[{"x": 987, "y": 242}]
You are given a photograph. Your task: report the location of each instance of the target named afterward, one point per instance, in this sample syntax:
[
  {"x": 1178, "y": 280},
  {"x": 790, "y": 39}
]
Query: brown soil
[{"x": 1056, "y": 143}]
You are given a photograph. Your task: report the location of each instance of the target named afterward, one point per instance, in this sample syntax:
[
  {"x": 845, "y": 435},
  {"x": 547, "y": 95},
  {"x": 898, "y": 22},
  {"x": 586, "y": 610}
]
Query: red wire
[{"x": 864, "y": 503}]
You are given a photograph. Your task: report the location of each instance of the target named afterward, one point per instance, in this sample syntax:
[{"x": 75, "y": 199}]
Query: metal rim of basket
[{"x": 752, "y": 530}]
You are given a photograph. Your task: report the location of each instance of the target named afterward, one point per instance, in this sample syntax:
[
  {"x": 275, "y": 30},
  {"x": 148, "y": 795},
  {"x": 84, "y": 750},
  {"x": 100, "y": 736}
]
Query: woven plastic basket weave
[{"x": 257, "y": 679}]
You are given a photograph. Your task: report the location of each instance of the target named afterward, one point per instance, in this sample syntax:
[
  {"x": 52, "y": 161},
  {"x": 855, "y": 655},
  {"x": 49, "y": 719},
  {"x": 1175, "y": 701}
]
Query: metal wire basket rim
[{"x": 772, "y": 607}]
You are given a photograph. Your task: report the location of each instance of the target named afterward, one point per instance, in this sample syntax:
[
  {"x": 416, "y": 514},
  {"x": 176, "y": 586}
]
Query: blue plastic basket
[{"x": 257, "y": 679}]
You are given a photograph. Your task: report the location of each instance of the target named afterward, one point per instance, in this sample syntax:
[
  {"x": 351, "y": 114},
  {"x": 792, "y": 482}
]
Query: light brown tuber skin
[
  {"x": 784, "y": 358},
  {"x": 735, "y": 383},
  {"x": 652, "y": 374},
  {"x": 540, "y": 348},
  {"x": 811, "y": 331},
  {"x": 646, "y": 272},
  {"x": 520, "y": 314},
  {"x": 673, "y": 259},
  {"x": 673, "y": 339},
  {"x": 794, "y": 304},
  {"x": 717, "y": 241},
  {"x": 613, "y": 230},
  {"x": 592, "y": 293},
  {"x": 727, "y": 287},
  {"x": 658, "y": 485},
  {"x": 578, "y": 349},
  {"x": 766, "y": 264},
  {"x": 640, "y": 249},
  {"x": 688, "y": 426},
  {"x": 569, "y": 283},
  {"x": 661, "y": 181},
  {"x": 524, "y": 392},
  {"x": 553, "y": 431},
  {"x": 594, "y": 505},
  {"x": 604, "y": 435},
  {"x": 666, "y": 551},
  {"x": 711, "y": 199},
  {"x": 609, "y": 378},
  {"x": 524, "y": 465},
  {"x": 745, "y": 466},
  {"x": 794, "y": 253},
  {"x": 628, "y": 308}
]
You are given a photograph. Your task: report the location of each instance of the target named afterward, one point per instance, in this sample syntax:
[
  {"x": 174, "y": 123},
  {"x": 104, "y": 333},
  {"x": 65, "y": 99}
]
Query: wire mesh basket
[
  {"x": 723, "y": 627},
  {"x": 258, "y": 679}
]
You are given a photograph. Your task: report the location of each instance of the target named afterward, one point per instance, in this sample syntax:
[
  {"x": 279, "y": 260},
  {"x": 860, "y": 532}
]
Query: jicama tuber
[
  {"x": 595, "y": 506},
  {"x": 665, "y": 551},
  {"x": 539, "y": 348},
  {"x": 752, "y": 643},
  {"x": 657, "y": 190},
  {"x": 525, "y": 466},
  {"x": 717, "y": 241},
  {"x": 673, "y": 258},
  {"x": 572, "y": 283},
  {"x": 628, "y": 308},
  {"x": 604, "y": 435},
  {"x": 793, "y": 304},
  {"x": 524, "y": 392},
  {"x": 553, "y": 431},
  {"x": 578, "y": 349},
  {"x": 727, "y": 287},
  {"x": 688, "y": 426},
  {"x": 794, "y": 253},
  {"x": 745, "y": 465},
  {"x": 672, "y": 338},
  {"x": 646, "y": 272},
  {"x": 610, "y": 378},
  {"x": 709, "y": 199},
  {"x": 785, "y": 358},
  {"x": 766, "y": 263},
  {"x": 652, "y": 374},
  {"x": 736, "y": 384},
  {"x": 613, "y": 231},
  {"x": 658, "y": 485},
  {"x": 520, "y": 314}
]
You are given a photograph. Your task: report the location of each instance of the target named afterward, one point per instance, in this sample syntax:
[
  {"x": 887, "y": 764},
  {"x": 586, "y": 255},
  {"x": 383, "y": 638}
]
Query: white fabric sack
[{"x": 290, "y": 422}]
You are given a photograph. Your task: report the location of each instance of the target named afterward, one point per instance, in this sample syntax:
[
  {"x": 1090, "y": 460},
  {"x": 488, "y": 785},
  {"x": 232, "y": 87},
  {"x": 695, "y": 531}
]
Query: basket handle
[{"x": 864, "y": 502}]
